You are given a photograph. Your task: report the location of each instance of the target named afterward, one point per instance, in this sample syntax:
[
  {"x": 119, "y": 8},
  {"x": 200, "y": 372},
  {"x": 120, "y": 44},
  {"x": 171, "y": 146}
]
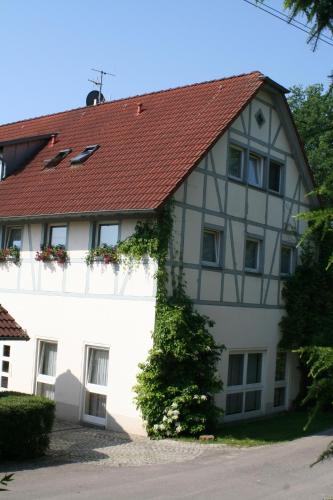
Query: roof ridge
[{"x": 178, "y": 87}]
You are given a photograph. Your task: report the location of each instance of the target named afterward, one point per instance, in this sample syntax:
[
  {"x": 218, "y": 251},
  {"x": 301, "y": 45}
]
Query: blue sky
[{"x": 48, "y": 49}]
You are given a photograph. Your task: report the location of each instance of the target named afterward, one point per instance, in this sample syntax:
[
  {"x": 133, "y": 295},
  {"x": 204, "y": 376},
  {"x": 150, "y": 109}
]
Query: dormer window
[
  {"x": 53, "y": 162},
  {"x": 84, "y": 155}
]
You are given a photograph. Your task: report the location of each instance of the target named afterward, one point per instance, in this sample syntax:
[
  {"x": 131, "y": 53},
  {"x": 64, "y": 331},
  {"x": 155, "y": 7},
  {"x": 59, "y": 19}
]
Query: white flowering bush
[{"x": 176, "y": 385}]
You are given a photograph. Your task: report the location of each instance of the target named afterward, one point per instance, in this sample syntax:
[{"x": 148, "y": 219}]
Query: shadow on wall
[{"x": 73, "y": 441}]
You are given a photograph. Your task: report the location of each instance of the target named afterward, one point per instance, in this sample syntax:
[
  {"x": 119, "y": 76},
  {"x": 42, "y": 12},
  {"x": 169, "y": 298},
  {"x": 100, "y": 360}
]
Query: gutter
[{"x": 80, "y": 215}]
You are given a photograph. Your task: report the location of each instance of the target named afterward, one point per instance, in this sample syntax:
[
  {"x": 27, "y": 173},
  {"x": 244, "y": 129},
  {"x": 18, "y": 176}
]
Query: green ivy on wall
[{"x": 176, "y": 385}]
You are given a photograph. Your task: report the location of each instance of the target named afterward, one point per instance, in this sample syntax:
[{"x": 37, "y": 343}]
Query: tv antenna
[{"x": 99, "y": 83}]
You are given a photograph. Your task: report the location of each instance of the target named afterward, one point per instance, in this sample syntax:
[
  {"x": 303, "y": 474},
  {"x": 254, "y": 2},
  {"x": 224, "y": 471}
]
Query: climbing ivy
[{"x": 176, "y": 385}]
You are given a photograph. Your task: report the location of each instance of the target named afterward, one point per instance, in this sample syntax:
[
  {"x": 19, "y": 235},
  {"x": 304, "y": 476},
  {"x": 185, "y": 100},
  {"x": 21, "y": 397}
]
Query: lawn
[{"x": 283, "y": 427}]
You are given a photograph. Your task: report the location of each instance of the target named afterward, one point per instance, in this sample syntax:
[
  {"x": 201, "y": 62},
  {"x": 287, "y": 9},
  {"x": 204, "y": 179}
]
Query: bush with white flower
[{"x": 176, "y": 385}]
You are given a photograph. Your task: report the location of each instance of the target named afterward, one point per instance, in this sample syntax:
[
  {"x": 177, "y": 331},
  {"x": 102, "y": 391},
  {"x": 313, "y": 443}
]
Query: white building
[{"x": 229, "y": 154}]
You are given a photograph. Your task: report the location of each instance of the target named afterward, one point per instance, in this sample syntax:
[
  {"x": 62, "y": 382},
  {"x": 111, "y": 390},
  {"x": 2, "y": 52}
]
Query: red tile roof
[
  {"x": 142, "y": 157},
  {"x": 9, "y": 329}
]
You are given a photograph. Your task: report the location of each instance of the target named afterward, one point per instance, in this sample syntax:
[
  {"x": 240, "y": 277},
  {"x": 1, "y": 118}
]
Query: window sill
[
  {"x": 275, "y": 193},
  {"x": 253, "y": 272},
  {"x": 211, "y": 266}
]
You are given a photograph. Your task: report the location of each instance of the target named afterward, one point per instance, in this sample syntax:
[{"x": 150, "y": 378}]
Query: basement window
[
  {"x": 84, "y": 155},
  {"x": 53, "y": 162}
]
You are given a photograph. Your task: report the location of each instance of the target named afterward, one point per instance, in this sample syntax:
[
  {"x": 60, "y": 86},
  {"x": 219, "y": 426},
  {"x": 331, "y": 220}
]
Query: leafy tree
[
  {"x": 312, "y": 109},
  {"x": 308, "y": 297},
  {"x": 319, "y": 13}
]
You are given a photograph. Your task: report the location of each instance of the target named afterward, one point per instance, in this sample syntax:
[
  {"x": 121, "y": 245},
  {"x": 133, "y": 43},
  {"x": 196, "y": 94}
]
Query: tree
[
  {"x": 319, "y": 13},
  {"x": 312, "y": 109}
]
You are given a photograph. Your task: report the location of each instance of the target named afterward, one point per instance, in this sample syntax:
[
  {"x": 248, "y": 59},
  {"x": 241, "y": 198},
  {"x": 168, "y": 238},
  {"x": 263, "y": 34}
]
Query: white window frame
[
  {"x": 281, "y": 384},
  {"x": 291, "y": 259},
  {"x": 94, "y": 388},
  {"x": 238, "y": 148},
  {"x": 280, "y": 177},
  {"x": 98, "y": 231},
  {"x": 258, "y": 241},
  {"x": 218, "y": 232},
  {"x": 4, "y": 374},
  {"x": 244, "y": 387},
  {"x": 39, "y": 377},
  {"x": 261, "y": 165}
]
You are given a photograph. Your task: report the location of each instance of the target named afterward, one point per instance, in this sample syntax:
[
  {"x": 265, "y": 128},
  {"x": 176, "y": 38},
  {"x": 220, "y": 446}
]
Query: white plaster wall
[{"x": 78, "y": 305}]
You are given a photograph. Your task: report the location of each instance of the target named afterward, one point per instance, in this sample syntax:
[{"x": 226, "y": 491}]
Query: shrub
[{"x": 25, "y": 424}]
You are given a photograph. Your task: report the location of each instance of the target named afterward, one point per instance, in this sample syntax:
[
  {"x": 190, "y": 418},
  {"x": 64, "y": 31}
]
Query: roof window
[
  {"x": 84, "y": 155},
  {"x": 53, "y": 162}
]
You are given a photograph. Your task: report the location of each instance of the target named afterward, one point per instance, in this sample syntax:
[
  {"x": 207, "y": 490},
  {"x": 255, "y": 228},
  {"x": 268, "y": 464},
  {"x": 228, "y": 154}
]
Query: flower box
[
  {"x": 105, "y": 253},
  {"x": 52, "y": 254},
  {"x": 11, "y": 254}
]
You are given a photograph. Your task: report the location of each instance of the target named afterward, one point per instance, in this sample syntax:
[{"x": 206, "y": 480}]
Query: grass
[{"x": 283, "y": 427}]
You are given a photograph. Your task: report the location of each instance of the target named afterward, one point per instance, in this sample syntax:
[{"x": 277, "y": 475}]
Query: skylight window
[
  {"x": 53, "y": 162},
  {"x": 84, "y": 155}
]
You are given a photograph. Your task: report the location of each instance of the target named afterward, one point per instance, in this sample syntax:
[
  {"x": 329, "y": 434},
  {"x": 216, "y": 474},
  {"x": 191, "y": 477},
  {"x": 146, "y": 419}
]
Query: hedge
[{"x": 25, "y": 423}]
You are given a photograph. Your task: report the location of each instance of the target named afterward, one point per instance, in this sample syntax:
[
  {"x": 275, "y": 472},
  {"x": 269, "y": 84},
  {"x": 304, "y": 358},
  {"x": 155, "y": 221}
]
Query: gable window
[
  {"x": 236, "y": 162},
  {"x": 287, "y": 254},
  {"x": 275, "y": 177},
  {"x": 211, "y": 247},
  {"x": 244, "y": 389},
  {"x": 84, "y": 155},
  {"x": 252, "y": 254},
  {"x": 107, "y": 235},
  {"x": 46, "y": 369},
  {"x": 255, "y": 170},
  {"x": 14, "y": 237},
  {"x": 53, "y": 162},
  {"x": 58, "y": 236},
  {"x": 280, "y": 379},
  {"x": 96, "y": 381}
]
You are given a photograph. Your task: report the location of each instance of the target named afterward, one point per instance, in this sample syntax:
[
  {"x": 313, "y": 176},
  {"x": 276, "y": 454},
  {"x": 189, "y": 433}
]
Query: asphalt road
[{"x": 273, "y": 472}]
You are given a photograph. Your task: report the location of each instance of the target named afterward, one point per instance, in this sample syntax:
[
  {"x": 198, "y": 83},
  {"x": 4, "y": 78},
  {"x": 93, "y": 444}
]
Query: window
[
  {"x": 84, "y": 155},
  {"x": 252, "y": 255},
  {"x": 275, "y": 177},
  {"x": 53, "y": 162},
  {"x": 254, "y": 170},
  {"x": 286, "y": 259},
  {"x": 280, "y": 379},
  {"x": 58, "y": 236},
  {"x": 96, "y": 381},
  {"x": 236, "y": 161},
  {"x": 46, "y": 369},
  {"x": 211, "y": 247},
  {"x": 14, "y": 237},
  {"x": 244, "y": 389},
  {"x": 4, "y": 366},
  {"x": 107, "y": 235}
]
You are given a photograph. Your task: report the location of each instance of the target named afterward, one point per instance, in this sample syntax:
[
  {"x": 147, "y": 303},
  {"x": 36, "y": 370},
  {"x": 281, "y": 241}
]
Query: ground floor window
[
  {"x": 96, "y": 381},
  {"x": 280, "y": 389},
  {"x": 4, "y": 367},
  {"x": 244, "y": 384},
  {"x": 46, "y": 368}
]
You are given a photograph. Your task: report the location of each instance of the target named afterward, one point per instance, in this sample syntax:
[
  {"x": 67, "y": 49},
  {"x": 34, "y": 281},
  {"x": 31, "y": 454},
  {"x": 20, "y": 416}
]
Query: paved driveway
[{"x": 92, "y": 464}]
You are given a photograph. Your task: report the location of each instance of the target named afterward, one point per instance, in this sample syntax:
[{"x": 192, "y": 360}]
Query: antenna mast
[{"x": 99, "y": 83}]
